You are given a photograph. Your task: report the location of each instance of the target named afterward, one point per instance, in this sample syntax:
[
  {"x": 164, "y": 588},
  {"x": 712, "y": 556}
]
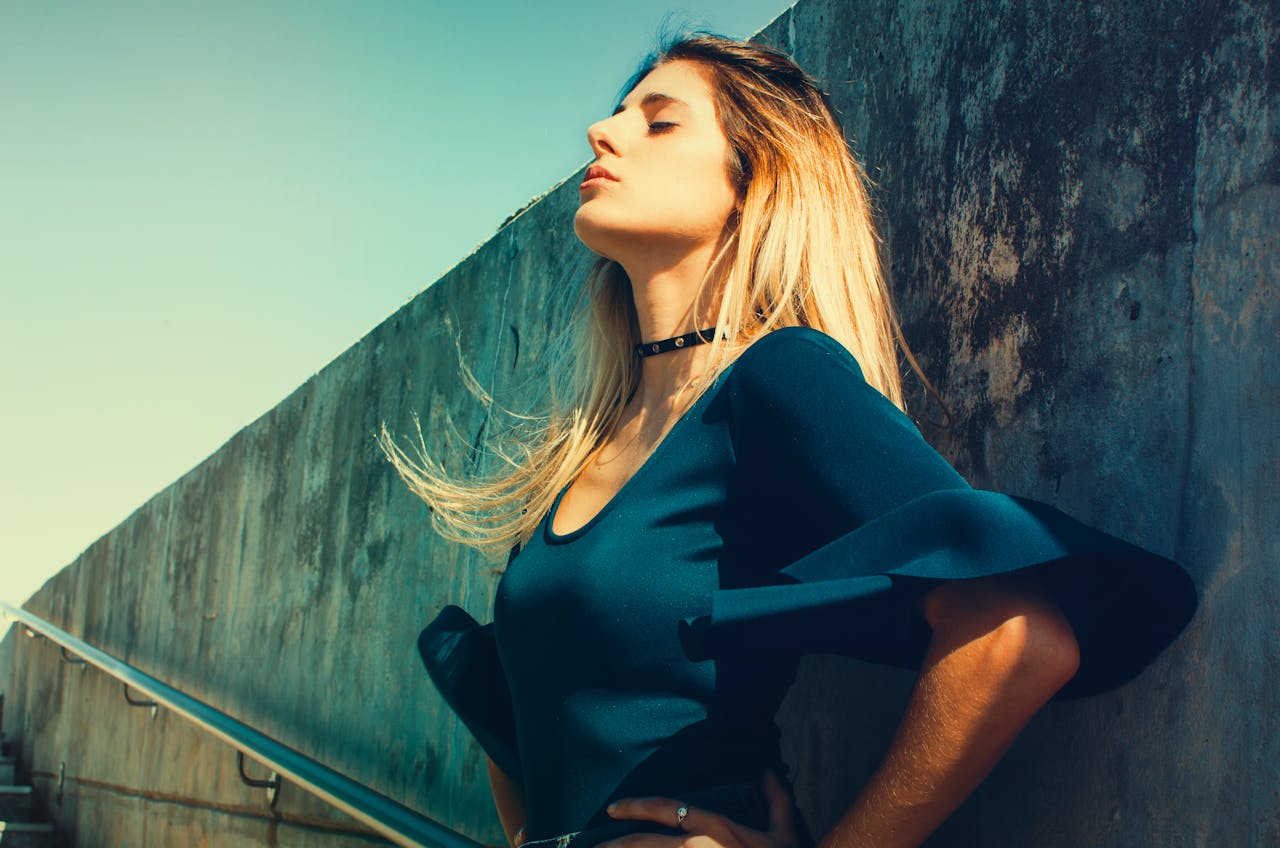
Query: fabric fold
[
  {"x": 461, "y": 657},
  {"x": 860, "y": 594}
]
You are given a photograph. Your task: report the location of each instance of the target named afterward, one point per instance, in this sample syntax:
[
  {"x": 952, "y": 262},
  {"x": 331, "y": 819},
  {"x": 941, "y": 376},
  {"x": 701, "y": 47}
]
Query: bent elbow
[
  {"x": 1019, "y": 630},
  {"x": 1039, "y": 651}
]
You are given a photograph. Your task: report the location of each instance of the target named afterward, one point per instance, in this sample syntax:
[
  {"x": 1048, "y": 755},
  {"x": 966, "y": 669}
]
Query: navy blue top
[{"x": 791, "y": 510}]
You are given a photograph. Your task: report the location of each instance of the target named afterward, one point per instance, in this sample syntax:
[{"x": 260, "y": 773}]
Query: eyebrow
[{"x": 655, "y": 97}]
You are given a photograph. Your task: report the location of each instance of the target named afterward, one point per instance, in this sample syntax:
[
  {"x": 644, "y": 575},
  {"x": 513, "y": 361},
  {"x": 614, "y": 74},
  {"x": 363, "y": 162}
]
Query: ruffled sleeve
[
  {"x": 885, "y": 518},
  {"x": 461, "y": 657}
]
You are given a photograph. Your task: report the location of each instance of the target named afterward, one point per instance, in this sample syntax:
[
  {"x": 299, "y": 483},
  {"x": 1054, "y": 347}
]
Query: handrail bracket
[
  {"x": 271, "y": 784},
  {"x": 66, "y": 657},
  {"x": 152, "y": 704}
]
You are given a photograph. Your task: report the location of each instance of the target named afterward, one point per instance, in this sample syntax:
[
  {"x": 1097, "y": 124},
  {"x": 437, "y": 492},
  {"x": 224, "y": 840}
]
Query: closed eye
[{"x": 660, "y": 126}]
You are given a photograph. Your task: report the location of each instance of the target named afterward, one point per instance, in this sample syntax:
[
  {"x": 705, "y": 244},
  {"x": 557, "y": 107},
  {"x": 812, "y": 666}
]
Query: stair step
[
  {"x": 26, "y": 835},
  {"x": 15, "y": 803}
]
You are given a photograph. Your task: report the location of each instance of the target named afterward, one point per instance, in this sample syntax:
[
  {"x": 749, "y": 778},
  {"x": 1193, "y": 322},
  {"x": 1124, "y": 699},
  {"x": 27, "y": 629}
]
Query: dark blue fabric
[
  {"x": 462, "y": 661},
  {"x": 791, "y": 510}
]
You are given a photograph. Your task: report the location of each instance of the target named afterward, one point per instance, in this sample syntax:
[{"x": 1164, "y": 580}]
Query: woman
[{"x": 732, "y": 484}]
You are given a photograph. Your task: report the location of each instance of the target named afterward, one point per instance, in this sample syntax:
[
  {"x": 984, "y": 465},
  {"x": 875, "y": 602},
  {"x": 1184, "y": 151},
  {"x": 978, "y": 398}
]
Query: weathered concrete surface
[
  {"x": 1082, "y": 205},
  {"x": 1082, "y": 210},
  {"x": 285, "y": 579}
]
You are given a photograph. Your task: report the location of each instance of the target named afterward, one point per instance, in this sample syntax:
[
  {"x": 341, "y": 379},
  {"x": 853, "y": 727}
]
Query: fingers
[
  {"x": 698, "y": 822},
  {"x": 781, "y": 818},
  {"x": 664, "y": 810},
  {"x": 667, "y": 811}
]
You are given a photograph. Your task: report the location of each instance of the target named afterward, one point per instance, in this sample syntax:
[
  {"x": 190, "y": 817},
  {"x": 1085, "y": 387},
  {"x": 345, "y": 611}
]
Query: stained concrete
[{"x": 1081, "y": 208}]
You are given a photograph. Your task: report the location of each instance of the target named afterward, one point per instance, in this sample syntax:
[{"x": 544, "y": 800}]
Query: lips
[{"x": 598, "y": 172}]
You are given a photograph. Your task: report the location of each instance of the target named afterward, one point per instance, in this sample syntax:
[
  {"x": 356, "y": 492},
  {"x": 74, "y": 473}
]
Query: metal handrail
[{"x": 388, "y": 818}]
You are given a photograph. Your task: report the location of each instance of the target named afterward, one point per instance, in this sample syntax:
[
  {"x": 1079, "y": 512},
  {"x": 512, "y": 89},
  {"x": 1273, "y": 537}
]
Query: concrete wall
[{"x": 1082, "y": 209}]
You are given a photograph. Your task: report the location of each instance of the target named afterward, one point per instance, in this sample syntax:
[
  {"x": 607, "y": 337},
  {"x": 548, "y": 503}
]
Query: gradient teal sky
[{"x": 202, "y": 204}]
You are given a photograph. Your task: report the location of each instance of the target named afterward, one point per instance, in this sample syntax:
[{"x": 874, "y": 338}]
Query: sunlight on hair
[{"x": 804, "y": 251}]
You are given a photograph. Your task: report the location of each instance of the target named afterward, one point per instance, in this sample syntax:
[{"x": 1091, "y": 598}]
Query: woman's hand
[{"x": 704, "y": 828}]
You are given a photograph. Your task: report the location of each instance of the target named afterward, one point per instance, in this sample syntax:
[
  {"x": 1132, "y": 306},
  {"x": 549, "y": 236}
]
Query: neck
[{"x": 665, "y": 290}]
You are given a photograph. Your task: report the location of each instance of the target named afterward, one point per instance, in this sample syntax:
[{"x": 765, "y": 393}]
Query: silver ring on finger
[{"x": 681, "y": 812}]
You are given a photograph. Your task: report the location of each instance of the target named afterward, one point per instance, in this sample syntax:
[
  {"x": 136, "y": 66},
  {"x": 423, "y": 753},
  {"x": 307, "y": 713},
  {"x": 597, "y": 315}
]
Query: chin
[{"x": 595, "y": 237}]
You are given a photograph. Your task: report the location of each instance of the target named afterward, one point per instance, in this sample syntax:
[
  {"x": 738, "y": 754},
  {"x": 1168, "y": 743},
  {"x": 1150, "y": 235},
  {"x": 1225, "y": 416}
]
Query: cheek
[
  {"x": 714, "y": 182},
  {"x": 715, "y": 195},
  {"x": 687, "y": 195}
]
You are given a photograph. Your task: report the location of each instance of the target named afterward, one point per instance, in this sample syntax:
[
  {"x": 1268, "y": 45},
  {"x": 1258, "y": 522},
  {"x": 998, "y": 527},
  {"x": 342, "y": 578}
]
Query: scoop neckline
[{"x": 554, "y": 538}]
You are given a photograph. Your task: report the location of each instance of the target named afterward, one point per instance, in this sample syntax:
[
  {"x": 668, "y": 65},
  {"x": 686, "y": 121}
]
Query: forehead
[{"x": 679, "y": 79}]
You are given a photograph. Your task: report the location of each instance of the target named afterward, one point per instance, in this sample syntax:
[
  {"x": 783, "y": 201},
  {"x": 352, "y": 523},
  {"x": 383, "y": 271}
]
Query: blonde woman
[{"x": 733, "y": 484}]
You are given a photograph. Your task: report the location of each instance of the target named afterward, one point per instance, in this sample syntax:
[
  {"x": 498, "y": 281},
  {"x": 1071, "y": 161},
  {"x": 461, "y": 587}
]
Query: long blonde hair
[{"x": 802, "y": 251}]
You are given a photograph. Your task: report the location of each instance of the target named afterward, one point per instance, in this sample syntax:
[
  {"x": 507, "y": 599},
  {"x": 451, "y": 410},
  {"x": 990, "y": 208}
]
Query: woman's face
[{"x": 662, "y": 164}]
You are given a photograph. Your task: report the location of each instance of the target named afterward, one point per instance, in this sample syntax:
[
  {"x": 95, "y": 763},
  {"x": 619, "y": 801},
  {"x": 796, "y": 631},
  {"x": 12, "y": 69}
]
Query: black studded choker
[{"x": 697, "y": 337}]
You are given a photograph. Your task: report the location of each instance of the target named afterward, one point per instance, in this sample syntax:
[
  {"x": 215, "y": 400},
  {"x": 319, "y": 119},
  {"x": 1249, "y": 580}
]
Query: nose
[{"x": 600, "y": 137}]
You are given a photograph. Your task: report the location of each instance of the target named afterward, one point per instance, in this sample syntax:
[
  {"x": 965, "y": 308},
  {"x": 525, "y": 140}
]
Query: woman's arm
[
  {"x": 1000, "y": 649},
  {"x": 509, "y": 800}
]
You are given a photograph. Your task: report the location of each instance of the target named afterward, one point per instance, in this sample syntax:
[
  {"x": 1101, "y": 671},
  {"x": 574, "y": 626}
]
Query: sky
[{"x": 204, "y": 203}]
